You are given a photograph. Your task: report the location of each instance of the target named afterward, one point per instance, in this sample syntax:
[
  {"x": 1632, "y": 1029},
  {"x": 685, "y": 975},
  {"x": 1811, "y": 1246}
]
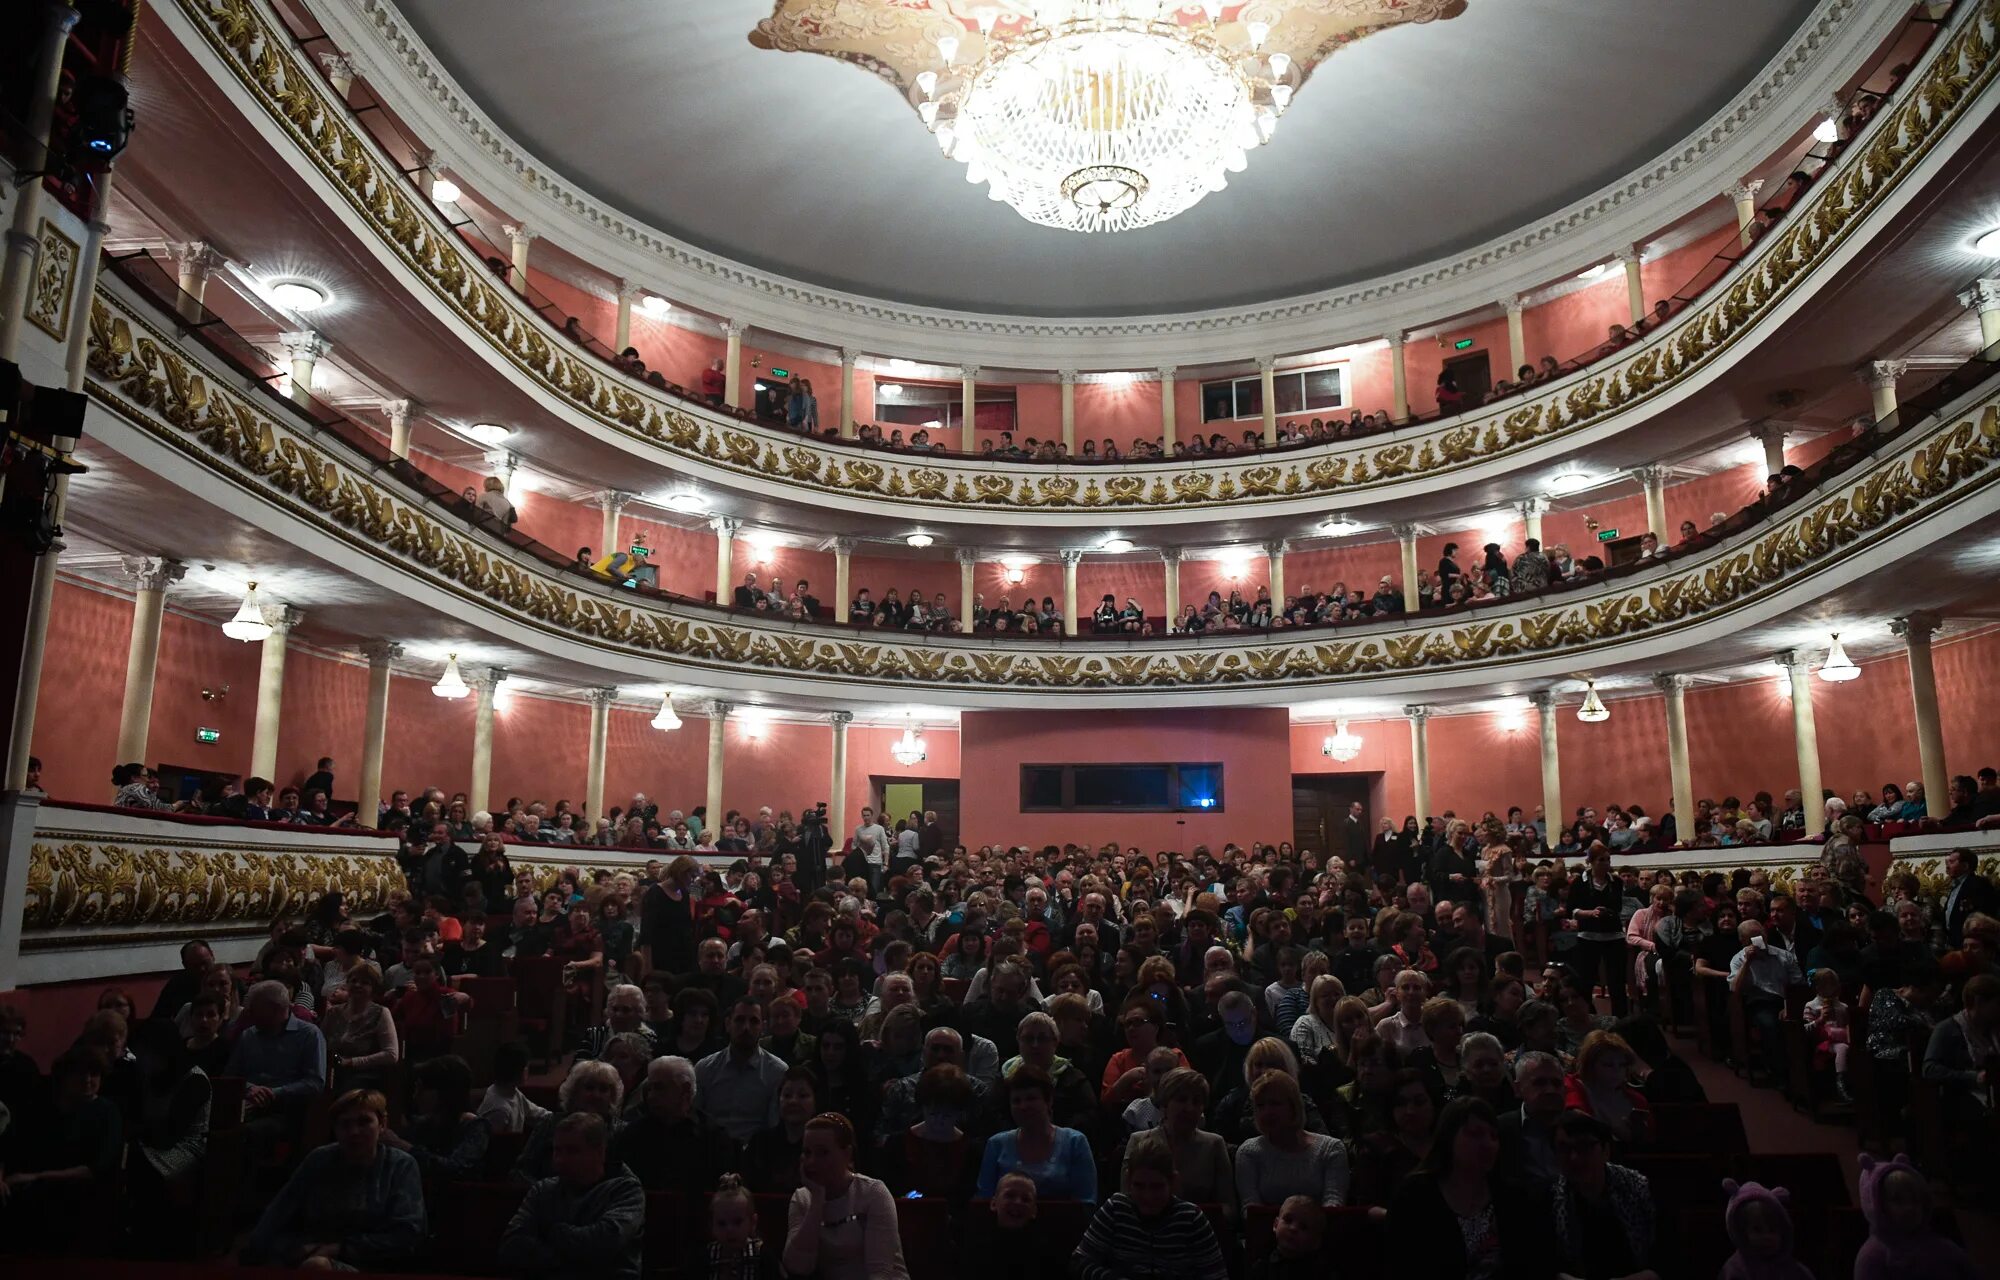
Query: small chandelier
[
  {"x": 1342, "y": 746},
  {"x": 1105, "y": 115},
  {"x": 909, "y": 749},
  {"x": 1838, "y": 667},
  {"x": 249, "y": 624},
  {"x": 667, "y": 721},
  {"x": 450, "y": 684},
  {"x": 1593, "y": 710}
]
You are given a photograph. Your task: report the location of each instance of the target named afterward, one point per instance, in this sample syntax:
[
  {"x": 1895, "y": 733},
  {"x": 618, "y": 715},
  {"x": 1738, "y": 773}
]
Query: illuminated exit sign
[
  {"x": 1463, "y": 344},
  {"x": 208, "y": 735}
]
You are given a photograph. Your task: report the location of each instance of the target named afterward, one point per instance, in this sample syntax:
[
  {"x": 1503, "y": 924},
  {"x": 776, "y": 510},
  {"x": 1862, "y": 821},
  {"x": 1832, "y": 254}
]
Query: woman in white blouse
[{"x": 842, "y": 1224}]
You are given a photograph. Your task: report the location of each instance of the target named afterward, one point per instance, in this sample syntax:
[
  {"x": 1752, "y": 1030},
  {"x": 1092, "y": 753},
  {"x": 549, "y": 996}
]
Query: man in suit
[
  {"x": 1969, "y": 892},
  {"x": 746, "y": 595},
  {"x": 1355, "y": 832},
  {"x": 1527, "y": 1136}
]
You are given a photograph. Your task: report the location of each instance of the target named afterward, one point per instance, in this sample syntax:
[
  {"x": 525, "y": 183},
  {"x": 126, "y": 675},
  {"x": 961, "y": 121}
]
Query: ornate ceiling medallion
[{"x": 1092, "y": 115}]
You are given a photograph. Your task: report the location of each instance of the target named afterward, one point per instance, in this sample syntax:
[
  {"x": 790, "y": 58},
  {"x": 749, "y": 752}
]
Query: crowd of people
[{"x": 1458, "y": 1025}]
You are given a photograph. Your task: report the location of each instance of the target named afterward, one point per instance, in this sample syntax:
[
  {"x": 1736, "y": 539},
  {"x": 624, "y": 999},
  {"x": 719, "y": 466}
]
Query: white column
[
  {"x": 600, "y": 742},
  {"x": 609, "y": 503},
  {"x": 1653, "y": 478},
  {"x": 1168, "y": 444},
  {"x": 368, "y": 800},
  {"x": 152, "y": 575},
  {"x": 1681, "y": 776},
  {"x": 77, "y": 341},
  {"x": 17, "y": 846},
  {"x": 621, "y": 333},
  {"x": 1420, "y": 758},
  {"x": 519, "y": 237},
  {"x": 485, "y": 692},
  {"x": 1267, "y": 374},
  {"x": 1070, "y": 560},
  {"x": 1552, "y": 796},
  {"x": 281, "y": 618},
  {"x": 1406, "y": 534},
  {"x": 718, "y": 718},
  {"x": 1881, "y": 375},
  {"x": 1399, "y": 410},
  {"x": 1805, "y": 738},
  {"x": 23, "y": 244},
  {"x": 1772, "y": 437},
  {"x": 1916, "y": 631},
  {"x": 339, "y": 72},
  {"x": 1171, "y": 559},
  {"x": 398, "y": 413},
  {"x": 1532, "y": 510},
  {"x": 1635, "y": 284},
  {"x": 849, "y": 357},
  {"x": 1275, "y": 553},
  {"x": 725, "y": 538},
  {"x": 968, "y": 586},
  {"x": 732, "y": 363},
  {"x": 193, "y": 261},
  {"x": 1517, "y": 337},
  {"x": 1744, "y": 196},
  {"x": 836, "y": 799},
  {"x": 968, "y": 404},
  {"x": 1068, "y": 377},
  {"x": 843, "y": 568},
  {"x": 305, "y": 350},
  {"x": 1985, "y": 295}
]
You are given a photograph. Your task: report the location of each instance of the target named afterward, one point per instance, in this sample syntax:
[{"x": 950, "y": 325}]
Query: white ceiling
[{"x": 1411, "y": 144}]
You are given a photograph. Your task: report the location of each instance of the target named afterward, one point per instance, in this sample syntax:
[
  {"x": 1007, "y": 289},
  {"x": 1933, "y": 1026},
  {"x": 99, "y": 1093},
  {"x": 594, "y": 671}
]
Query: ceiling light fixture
[
  {"x": 444, "y": 190},
  {"x": 1570, "y": 481},
  {"x": 1838, "y": 667},
  {"x": 1593, "y": 273},
  {"x": 667, "y": 721},
  {"x": 1988, "y": 245},
  {"x": 450, "y": 684},
  {"x": 297, "y": 295},
  {"x": 248, "y": 624},
  {"x": 919, "y": 540},
  {"x": 1342, "y": 746},
  {"x": 1117, "y": 546},
  {"x": 687, "y": 502},
  {"x": 1106, "y": 115},
  {"x": 1593, "y": 710},
  {"x": 909, "y": 749},
  {"x": 489, "y": 432},
  {"x": 900, "y": 365},
  {"x": 655, "y": 306},
  {"x": 1827, "y": 130}
]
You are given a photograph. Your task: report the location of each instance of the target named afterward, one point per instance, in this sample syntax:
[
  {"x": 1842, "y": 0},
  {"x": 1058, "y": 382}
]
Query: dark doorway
[
  {"x": 1473, "y": 372},
  {"x": 1319, "y": 811},
  {"x": 897, "y": 796}
]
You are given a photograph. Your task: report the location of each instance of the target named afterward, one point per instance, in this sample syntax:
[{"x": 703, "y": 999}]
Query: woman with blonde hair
[
  {"x": 1286, "y": 1159},
  {"x": 1313, "y": 1033},
  {"x": 1201, "y": 1158},
  {"x": 1270, "y": 1054}
]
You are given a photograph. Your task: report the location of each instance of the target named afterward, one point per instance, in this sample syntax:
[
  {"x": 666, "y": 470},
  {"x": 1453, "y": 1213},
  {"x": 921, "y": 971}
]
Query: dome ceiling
[{"x": 1417, "y": 141}]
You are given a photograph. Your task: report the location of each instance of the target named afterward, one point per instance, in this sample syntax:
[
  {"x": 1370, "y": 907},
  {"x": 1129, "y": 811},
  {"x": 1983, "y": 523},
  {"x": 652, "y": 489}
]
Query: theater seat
[
  {"x": 929, "y": 1247},
  {"x": 468, "y": 1219},
  {"x": 1700, "y": 1128}
]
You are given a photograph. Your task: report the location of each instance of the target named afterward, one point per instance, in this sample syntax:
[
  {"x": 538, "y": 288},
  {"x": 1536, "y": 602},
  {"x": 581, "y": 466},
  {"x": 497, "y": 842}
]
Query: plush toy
[
  {"x": 1896, "y": 1200},
  {"x": 1761, "y": 1229}
]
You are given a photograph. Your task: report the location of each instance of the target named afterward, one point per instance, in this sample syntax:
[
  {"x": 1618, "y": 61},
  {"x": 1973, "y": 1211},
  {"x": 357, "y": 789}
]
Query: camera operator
[{"x": 814, "y": 841}]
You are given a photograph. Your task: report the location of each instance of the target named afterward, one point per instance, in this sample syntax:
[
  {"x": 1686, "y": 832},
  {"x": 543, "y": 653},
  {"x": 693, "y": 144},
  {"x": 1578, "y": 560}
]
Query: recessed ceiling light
[
  {"x": 900, "y": 365},
  {"x": 919, "y": 540},
  {"x": 1119, "y": 379},
  {"x": 297, "y": 295},
  {"x": 1569, "y": 481},
  {"x": 687, "y": 502},
  {"x": 1592, "y": 273},
  {"x": 489, "y": 432},
  {"x": 445, "y": 191},
  {"x": 1117, "y": 546},
  {"x": 1988, "y": 245},
  {"x": 656, "y": 306}
]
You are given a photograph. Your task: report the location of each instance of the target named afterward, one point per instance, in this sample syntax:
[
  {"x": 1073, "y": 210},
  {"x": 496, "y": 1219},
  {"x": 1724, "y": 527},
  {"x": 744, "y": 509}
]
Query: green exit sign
[
  {"x": 780, "y": 373},
  {"x": 208, "y": 735},
  {"x": 641, "y": 552},
  {"x": 1607, "y": 535},
  {"x": 1463, "y": 344}
]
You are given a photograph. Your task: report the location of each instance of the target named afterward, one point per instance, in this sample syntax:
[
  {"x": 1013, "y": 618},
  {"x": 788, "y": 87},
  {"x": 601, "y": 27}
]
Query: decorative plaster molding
[{"x": 1816, "y": 61}]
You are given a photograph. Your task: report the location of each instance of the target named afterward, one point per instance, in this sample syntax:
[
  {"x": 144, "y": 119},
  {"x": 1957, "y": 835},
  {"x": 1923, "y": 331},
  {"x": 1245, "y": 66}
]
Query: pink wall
[
  {"x": 1139, "y": 577},
  {"x": 1199, "y": 577},
  {"x": 870, "y": 765},
  {"x": 1249, "y": 742},
  {"x": 1123, "y": 413}
]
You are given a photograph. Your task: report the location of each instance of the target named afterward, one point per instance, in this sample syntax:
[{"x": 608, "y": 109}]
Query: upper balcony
[{"x": 1681, "y": 378}]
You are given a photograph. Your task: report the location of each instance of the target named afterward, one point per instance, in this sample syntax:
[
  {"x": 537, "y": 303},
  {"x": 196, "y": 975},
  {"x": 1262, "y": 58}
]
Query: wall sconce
[
  {"x": 216, "y": 694},
  {"x": 1016, "y": 575}
]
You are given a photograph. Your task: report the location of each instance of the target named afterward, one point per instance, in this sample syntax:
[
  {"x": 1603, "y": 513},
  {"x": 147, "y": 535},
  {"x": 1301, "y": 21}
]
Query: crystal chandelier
[
  {"x": 909, "y": 749},
  {"x": 1342, "y": 746},
  {"x": 1104, "y": 115}
]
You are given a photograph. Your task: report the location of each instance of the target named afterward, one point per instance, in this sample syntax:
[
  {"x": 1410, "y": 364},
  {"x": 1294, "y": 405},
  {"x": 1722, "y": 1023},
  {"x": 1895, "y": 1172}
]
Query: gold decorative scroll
[{"x": 77, "y": 880}]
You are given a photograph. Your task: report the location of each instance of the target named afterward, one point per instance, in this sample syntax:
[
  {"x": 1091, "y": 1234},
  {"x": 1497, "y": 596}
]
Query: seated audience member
[
  {"x": 624, "y": 1010},
  {"x": 1382, "y": 1159},
  {"x": 936, "y": 1155},
  {"x": 1760, "y": 976},
  {"x": 1144, "y": 1111},
  {"x": 1232, "y": 1117},
  {"x": 1298, "y": 1235},
  {"x": 21, "y": 1085},
  {"x": 1664, "y": 1077},
  {"x": 1896, "y": 1198},
  {"x": 841, "y": 1224},
  {"x": 1205, "y": 1171},
  {"x": 586, "y": 1217},
  {"x": 355, "y": 1203},
  {"x": 1012, "y": 1241},
  {"x": 1075, "y": 1104},
  {"x": 1285, "y": 1159},
  {"x": 426, "y": 1011},
  {"x": 280, "y": 1058},
  {"x": 1457, "y": 1218},
  {"x": 1058, "y": 1159},
  {"x": 1962, "y": 1054},
  {"x": 61, "y": 1157},
  {"x": 671, "y": 1145},
  {"x": 733, "y": 1249},
  {"x": 771, "y": 1158},
  {"x": 739, "y": 1083},
  {"x": 362, "y": 1049},
  {"x": 1602, "y": 1087},
  {"x": 1760, "y": 1227},
  {"x": 1148, "y": 1230},
  {"x": 503, "y": 1106},
  {"x": 1603, "y": 1212},
  {"x": 590, "y": 1086},
  {"x": 447, "y": 1139},
  {"x": 1527, "y": 1134},
  {"x": 204, "y": 1047}
]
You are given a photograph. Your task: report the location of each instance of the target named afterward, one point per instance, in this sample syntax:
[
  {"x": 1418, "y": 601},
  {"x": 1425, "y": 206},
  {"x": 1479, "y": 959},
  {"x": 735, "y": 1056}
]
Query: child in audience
[
  {"x": 424, "y": 1014},
  {"x": 504, "y": 1106},
  {"x": 734, "y": 1250},
  {"x": 1011, "y": 1242},
  {"x": 1297, "y": 1234},
  {"x": 1143, "y": 1112},
  {"x": 1896, "y": 1200},
  {"x": 1760, "y": 1227},
  {"x": 1827, "y": 1018}
]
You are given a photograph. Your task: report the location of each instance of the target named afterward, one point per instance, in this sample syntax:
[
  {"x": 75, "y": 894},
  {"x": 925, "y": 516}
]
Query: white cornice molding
[{"x": 1778, "y": 104}]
